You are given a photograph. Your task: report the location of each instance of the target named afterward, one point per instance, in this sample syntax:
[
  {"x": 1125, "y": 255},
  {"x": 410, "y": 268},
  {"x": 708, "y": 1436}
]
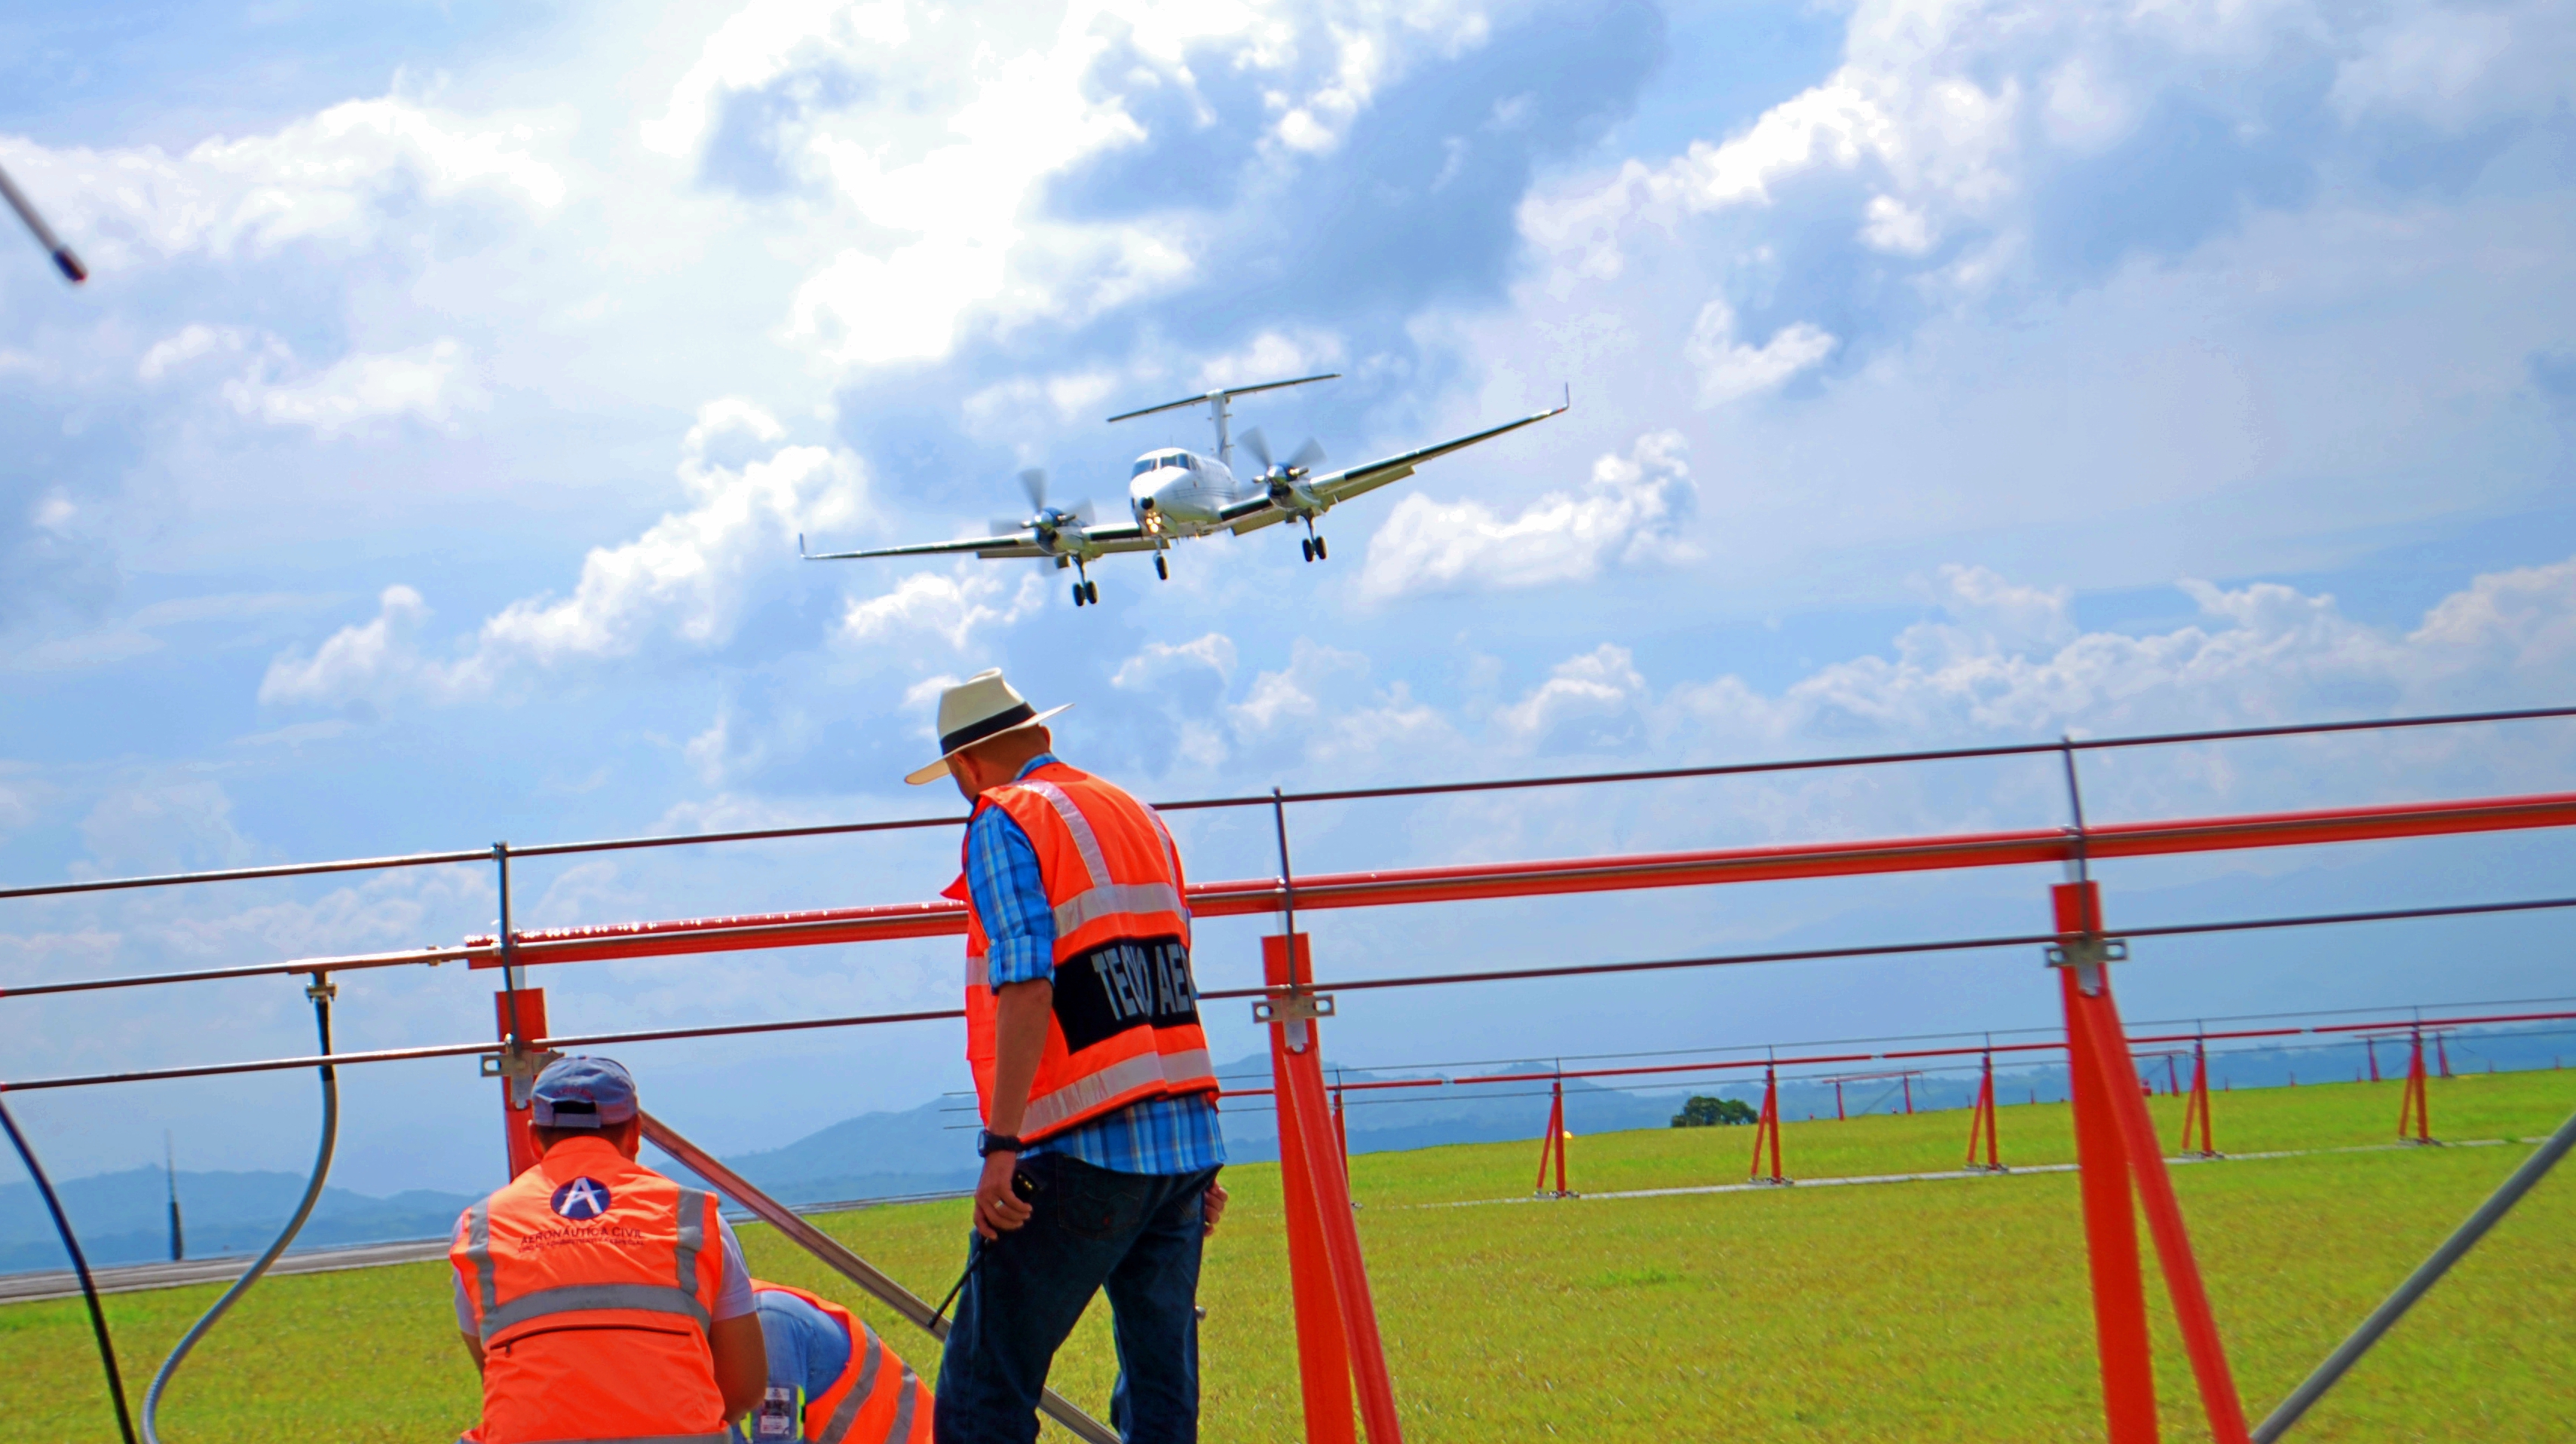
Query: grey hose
[{"x": 320, "y": 993}]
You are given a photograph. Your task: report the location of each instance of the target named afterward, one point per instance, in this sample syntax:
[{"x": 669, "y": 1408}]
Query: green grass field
[{"x": 1937, "y": 1310}]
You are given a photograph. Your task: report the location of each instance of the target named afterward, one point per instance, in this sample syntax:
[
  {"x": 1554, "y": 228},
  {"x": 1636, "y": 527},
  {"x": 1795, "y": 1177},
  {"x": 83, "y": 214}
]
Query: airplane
[{"x": 1174, "y": 494}]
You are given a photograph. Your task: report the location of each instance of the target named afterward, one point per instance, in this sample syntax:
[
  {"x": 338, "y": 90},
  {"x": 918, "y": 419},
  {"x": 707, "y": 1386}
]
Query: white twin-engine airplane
[{"x": 1175, "y": 493}]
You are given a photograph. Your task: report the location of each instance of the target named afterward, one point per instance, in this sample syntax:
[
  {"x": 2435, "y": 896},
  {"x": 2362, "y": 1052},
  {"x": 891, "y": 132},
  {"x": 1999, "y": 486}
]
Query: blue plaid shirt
[{"x": 1160, "y": 1135}]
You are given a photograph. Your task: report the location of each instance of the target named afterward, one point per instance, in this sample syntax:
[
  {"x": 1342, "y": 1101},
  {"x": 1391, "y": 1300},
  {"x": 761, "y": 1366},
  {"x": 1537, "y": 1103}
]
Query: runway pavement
[{"x": 128, "y": 1278}]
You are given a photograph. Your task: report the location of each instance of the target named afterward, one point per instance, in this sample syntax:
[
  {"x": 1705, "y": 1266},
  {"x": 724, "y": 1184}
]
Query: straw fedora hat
[{"x": 982, "y": 706}]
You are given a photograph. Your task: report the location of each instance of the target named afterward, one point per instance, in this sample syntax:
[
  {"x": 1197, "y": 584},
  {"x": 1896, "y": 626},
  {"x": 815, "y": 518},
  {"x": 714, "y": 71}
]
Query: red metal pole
[
  {"x": 2415, "y": 1106},
  {"x": 2195, "y": 1110},
  {"x": 2173, "y": 1085},
  {"x": 1983, "y": 1120},
  {"x": 1549, "y": 1142},
  {"x": 1323, "y": 1358},
  {"x": 1838, "y": 1100},
  {"x": 514, "y": 1120},
  {"x": 2110, "y": 1226},
  {"x": 1767, "y": 1128},
  {"x": 2108, "y": 1044},
  {"x": 1561, "y": 1190},
  {"x": 1908, "y": 1085},
  {"x": 2442, "y": 1048},
  {"x": 1302, "y": 1087}
]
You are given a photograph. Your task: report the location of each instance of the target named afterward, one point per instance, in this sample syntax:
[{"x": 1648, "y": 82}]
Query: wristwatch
[{"x": 988, "y": 1143}]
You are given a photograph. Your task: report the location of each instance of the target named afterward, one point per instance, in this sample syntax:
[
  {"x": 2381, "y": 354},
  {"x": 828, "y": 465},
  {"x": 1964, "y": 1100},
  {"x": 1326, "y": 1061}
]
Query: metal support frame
[
  {"x": 2116, "y": 1153},
  {"x": 1766, "y": 1131},
  {"x": 1339, "y": 1350},
  {"x": 845, "y": 1261},
  {"x": 1982, "y": 1121},
  {"x": 1551, "y": 1144},
  {"x": 2414, "y": 1108},
  {"x": 2195, "y": 1110}
]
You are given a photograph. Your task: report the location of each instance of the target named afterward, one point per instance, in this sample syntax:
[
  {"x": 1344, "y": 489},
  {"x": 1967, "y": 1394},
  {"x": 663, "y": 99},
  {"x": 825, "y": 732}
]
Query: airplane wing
[
  {"x": 1020, "y": 544},
  {"x": 1341, "y": 486},
  {"x": 1123, "y": 536}
]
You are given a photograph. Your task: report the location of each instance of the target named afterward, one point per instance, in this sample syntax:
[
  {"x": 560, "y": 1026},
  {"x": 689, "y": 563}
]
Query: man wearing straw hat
[{"x": 1100, "y": 1140}]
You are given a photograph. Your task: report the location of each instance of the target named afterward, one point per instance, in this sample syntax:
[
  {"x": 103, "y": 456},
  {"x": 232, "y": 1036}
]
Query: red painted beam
[{"x": 1607, "y": 874}]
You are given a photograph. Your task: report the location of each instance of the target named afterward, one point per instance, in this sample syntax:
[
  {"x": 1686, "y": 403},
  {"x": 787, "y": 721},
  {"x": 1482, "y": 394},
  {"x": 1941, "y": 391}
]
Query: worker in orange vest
[
  {"x": 831, "y": 1379},
  {"x": 600, "y": 1300},
  {"x": 1100, "y": 1141}
]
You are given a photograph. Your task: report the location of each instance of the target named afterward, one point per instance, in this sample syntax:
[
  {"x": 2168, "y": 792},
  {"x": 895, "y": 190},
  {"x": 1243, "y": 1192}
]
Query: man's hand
[
  {"x": 997, "y": 1209},
  {"x": 1211, "y": 1207}
]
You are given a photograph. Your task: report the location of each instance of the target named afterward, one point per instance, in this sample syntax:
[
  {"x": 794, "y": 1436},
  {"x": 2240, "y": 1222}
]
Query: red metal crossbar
[{"x": 1470, "y": 882}]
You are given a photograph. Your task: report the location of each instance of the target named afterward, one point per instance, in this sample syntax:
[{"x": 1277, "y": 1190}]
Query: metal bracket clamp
[
  {"x": 520, "y": 1065},
  {"x": 1295, "y": 1005},
  {"x": 2086, "y": 955},
  {"x": 322, "y": 989}
]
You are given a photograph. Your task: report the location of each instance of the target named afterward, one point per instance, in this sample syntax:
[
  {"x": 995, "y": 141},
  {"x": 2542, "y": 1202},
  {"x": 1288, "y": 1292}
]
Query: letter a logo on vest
[{"x": 582, "y": 1198}]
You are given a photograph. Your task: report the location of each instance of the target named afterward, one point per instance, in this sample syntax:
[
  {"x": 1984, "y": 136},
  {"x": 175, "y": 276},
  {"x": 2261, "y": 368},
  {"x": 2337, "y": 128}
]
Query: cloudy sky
[{"x": 425, "y": 462}]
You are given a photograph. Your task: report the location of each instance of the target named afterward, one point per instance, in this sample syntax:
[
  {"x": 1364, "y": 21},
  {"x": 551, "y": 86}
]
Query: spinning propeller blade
[
  {"x": 1033, "y": 481},
  {"x": 1307, "y": 457},
  {"x": 1004, "y": 527},
  {"x": 1258, "y": 444}
]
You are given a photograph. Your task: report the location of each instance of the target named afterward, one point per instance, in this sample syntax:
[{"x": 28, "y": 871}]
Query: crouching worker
[
  {"x": 831, "y": 1379},
  {"x": 601, "y": 1300}
]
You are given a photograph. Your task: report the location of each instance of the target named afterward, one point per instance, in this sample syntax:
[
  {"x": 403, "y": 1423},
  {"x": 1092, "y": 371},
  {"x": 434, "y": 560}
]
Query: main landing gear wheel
[
  {"x": 1319, "y": 549},
  {"x": 1078, "y": 598},
  {"x": 1161, "y": 572},
  {"x": 1306, "y": 548},
  {"x": 1091, "y": 591}
]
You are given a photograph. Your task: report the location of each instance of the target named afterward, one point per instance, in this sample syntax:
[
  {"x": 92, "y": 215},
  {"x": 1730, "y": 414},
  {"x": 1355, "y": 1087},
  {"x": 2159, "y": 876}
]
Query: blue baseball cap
[{"x": 583, "y": 1092}]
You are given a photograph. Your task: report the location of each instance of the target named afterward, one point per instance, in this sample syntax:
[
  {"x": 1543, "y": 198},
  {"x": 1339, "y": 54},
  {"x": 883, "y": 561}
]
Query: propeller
[
  {"x": 1042, "y": 517},
  {"x": 1302, "y": 463}
]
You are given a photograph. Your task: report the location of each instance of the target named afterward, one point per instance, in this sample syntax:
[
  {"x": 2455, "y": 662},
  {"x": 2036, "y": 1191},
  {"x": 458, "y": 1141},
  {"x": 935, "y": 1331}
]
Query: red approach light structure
[
  {"x": 1984, "y": 1120},
  {"x": 2414, "y": 1108},
  {"x": 1766, "y": 1129},
  {"x": 2196, "y": 1110},
  {"x": 1552, "y": 1145},
  {"x": 1342, "y": 1362}
]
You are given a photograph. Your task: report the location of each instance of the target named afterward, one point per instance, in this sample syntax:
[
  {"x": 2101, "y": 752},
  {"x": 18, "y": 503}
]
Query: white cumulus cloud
[
  {"x": 338, "y": 177},
  {"x": 687, "y": 581},
  {"x": 1730, "y": 370},
  {"x": 951, "y": 606},
  {"x": 1632, "y": 510}
]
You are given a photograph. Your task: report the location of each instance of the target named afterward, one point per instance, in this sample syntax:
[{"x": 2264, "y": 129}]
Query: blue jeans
[{"x": 1136, "y": 1235}]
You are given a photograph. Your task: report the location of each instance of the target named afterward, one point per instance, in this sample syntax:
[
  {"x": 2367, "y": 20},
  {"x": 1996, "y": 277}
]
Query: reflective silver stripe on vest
[
  {"x": 1090, "y": 1091},
  {"x": 902, "y": 1425},
  {"x": 593, "y": 1298},
  {"x": 1190, "y": 1065},
  {"x": 1085, "y": 841},
  {"x": 693, "y": 1236},
  {"x": 979, "y": 971},
  {"x": 1171, "y": 854},
  {"x": 848, "y": 1413},
  {"x": 478, "y": 1247},
  {"x": 1112, "y": 899}
]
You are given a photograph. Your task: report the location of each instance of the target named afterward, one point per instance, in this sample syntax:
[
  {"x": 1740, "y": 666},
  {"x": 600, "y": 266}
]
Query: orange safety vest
[
  {"x": 1126, "y": 1024},
  {"x": 592, "y": 1282},
  {"x": 877, "y": 1399}
]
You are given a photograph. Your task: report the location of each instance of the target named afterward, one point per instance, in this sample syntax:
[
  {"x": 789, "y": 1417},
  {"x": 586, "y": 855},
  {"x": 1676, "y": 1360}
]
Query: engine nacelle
[{"x": 1296, "y": 497}]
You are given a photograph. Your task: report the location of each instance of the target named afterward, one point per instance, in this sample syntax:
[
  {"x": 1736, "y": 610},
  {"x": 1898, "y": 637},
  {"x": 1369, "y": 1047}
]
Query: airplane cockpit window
[{"x": 1146, "y": 464}]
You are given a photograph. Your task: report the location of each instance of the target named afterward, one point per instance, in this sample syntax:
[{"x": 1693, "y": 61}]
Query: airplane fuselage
[{"x": 1180, "y": 492}]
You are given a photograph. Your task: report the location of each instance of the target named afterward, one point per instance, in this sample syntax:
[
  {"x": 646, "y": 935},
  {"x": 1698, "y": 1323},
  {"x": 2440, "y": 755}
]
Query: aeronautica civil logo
[{"x": 582, "y": 1198}]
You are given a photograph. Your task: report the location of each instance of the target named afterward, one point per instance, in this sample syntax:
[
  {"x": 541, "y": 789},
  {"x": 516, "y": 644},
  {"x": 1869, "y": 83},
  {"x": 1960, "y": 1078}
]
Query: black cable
[
  {"x": 320, "y": 992},
  {"x": 80, "y": 1266}
]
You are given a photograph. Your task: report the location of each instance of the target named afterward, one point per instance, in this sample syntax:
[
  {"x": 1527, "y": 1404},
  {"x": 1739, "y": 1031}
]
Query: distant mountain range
[{"x": 122, "y": 1217}]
